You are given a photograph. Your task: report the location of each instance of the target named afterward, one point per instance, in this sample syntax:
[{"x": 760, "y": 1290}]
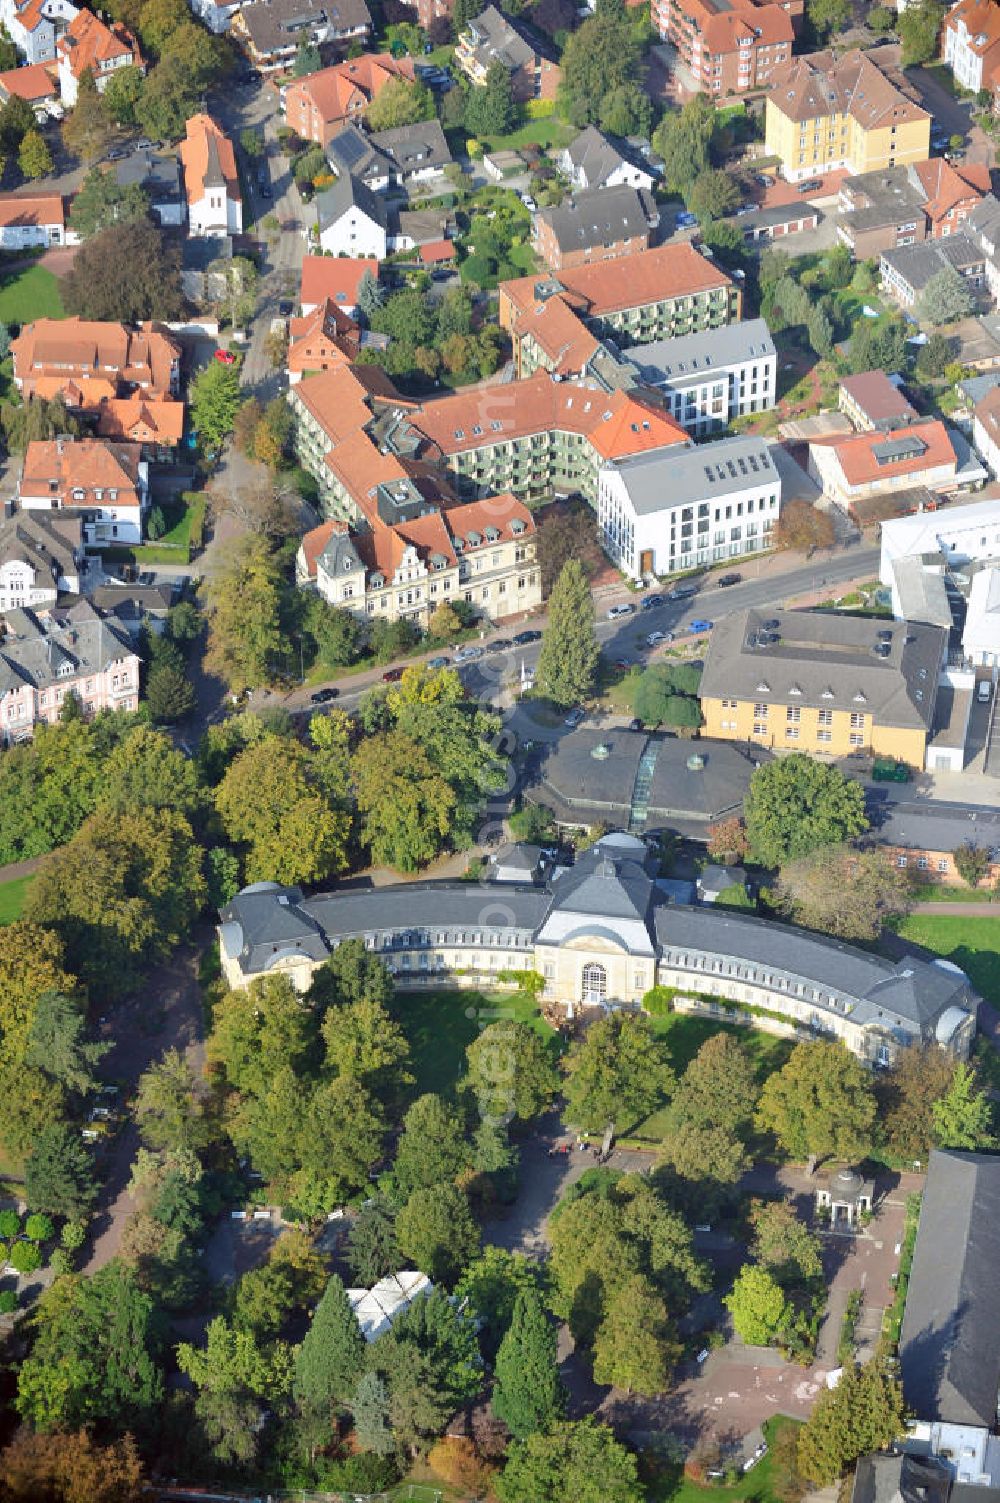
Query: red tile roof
[
  {"x": 322, "y": 339},
  {"x": 860, "y": 466},
  {"x": 650, "y": 276},
  {"x": 16, "y": 209},
  {"x": 334, "y": 277},
  {"x": 207, "y": 153},
  {"x": 34, "y": 82},
  {"x": 89, "y": 43},
  {"x": 59, "y": 467},
  {"x": 342, "y": 90},
  {"x": 437, "y": 250}
]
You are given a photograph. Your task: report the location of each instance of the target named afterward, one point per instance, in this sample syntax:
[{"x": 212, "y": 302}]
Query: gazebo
[{"x": 845, "y": 1194}]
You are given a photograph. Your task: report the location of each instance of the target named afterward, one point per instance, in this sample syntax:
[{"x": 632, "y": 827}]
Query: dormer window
[
  {"x": 517, "y": 526},
  {"x": 763, "y": 688},
  {"x": 827, "y": 694}
]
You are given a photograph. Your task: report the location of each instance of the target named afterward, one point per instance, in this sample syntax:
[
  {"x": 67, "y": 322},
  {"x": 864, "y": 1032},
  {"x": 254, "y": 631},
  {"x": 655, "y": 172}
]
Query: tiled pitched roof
[
  {"x": 563, "y": 336},
  {"x": 322, "y": 339},
  {"x": 944, "y": 187},
  {"x": 982, "y": 21},
  {"x": 858, "y": 455},
  {"x": 65, "y": 348},
  {"x": 23, "y": 209},
  {"x": 315, "y": 541},
  {"x": 820, "y": 85},
  {"x": 208, "y": 160},
  {"x": 334, "y": 277},
  {"x": 89, "y": 43},
  {"x": 60, "y": 466},
  {"x": 667, "y": 271},
  {"x": 34, "y": 82},
  {"x": 333, "y": 91},
  {"x": 141, "y": 420}
]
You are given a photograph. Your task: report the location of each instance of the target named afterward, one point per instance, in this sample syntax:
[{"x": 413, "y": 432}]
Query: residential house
[
  {"x": 109, "y": 482},
  {"x": 351, "y": 220},
  {"x": 41, "y": 557},
  {"x": 417, "y": 229},
  {"x": 333, "y": 279},
  {"x": 922, "y": 838},
  {"x": 983, "y": 225},
  {"x": 669, "y": 291},
  {"x": 35, "y": 26},
  {"x": 949, "y": 1345},
  {"x": 906, "y": 205},
  {"x": 269, "y": 31},
  {"x": 317, "y": 106},
  {"x": 600, "y": 933},
  {"x": 822, "y": 683},
  {"x": 401, "y": 157},
  {"x": 730, "y": 48},
  {"x": 45, "y": 656},
  {"x": 529, "y": 59},
  {"x": 159, "y": 177},
  {"x": 217, "y": 15},
  {"x": 875, "y": 404},
  {"x": 600, "y": 224},
  {"x": 156, "y": 426},
  {"x": 211, "y": 181},
  {"x": 905, "y": 272},
  {"x": 668, "y": 511},
  {"x": 414, "y": 557},
  {"x": 830, "y": 113},
  {"x": 870, "y": 464},
  {"x": 51, "y": 353},
  {"x": 710, "y": 378},
  {"x": 970, "y": 44},
  {"x": 27, "y": 221},
  {"x": 592, "y": 160},
  {"x": 37, "y": 84},
  {"x": 321, "y": 341},
  {"x": 100, "y": 47}
]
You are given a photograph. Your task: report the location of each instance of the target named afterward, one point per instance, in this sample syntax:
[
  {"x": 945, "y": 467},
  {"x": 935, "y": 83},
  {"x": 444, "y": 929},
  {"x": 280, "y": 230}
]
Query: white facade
[
  {"x": 35, "y": 34},
  {"x": 216, "y": 17},
  {"x": 961, "y": 57},
  {"x": 959, "y": 534},
  {"x": 215, "y": 213},
  {"x": 710, "y": 378},
  {"x": 22, "y": 584},
  {"x": 663, "y": 513},
  {"x": 110, "y": 520},
  {"x": 27, "y": 236},
  {"x": 354, "y": 234},
  {"x": 981, "y": 635}
]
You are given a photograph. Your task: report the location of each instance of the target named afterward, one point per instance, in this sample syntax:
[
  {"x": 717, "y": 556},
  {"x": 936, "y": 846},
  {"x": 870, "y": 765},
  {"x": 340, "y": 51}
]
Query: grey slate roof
[
  {"x": 496, "y": 38},
  {"x": 933, "y": 826},
  {"x": 354, "y": 153},
  {"x": 950, "y": 1342},
  {"x": 276, "y": 25},
  {"x": 606, "y": 883},
  {"x": 827, "y": 660},
  {"x": 79, "y": 640},
  {"x": 692, "y": 357},
  {"x": 984, "y": 222},
  {"x": 911, "y": 1479},
  {"x": 601, "y": 216},
  {"x": 343, "y": 194},
  {"x": 413, "y": 148},
  {"x": 593, "y": 156},
  {"x": 917, "y": 264},
  {"x": 707, "y": 472},
  {"x": 160, "y": 176},
  {"x": 47, "y": 543},
  {"x": 426, "y": 905}
]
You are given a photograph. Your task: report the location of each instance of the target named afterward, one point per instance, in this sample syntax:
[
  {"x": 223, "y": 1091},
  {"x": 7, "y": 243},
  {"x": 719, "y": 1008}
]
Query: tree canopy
[
  {"x": 794, "y": 805},
  {"x": 567, "y": 663},
  {"x": 819, "y": 1104}
]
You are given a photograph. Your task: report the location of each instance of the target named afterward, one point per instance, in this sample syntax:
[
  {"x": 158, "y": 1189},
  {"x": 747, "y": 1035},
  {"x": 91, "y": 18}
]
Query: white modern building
[
  {"x": 663, "y": 512},
  {"x": 714, "y": 376},
  {"x": 981, "y": 633},
  {"x": 957, "y": 535}
]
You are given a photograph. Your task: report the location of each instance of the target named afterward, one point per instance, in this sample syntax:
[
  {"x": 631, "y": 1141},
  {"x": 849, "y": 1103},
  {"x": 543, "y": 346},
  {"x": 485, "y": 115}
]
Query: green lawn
[
  {"x": 972, "y": 943},
  {"x": 756, "y": 1486},
  {"x": 684, "y": 1035},
  {"x": 931, "y": 892},
  {"x": 548, "y": 133},
  {"x": 440, "y": 1024},
  {"x": 29, "y": 293},
  {"x": 12, "y": 896}
]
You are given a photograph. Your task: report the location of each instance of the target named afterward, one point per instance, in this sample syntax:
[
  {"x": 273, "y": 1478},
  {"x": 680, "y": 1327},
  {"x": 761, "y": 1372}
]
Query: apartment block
[
  {"x": 970, "y": 43},
  {"x": 47, "y": 655},
  {"x": 829, "y": 113},
  {"x": 899, "y": 206},
  {"x": 730, "y": 46},
  {"x": 600, "y": 224},
  {"x": 111, "y": 359},
  {"x": 667, "y": 511},
  {"x": 708, "y": 379},
  {"x": 529, "y": 59},
  {"x": 823, "y": 683}
]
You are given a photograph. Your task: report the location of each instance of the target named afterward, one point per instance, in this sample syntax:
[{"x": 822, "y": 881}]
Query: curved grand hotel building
[{"x": 602, "y": 932}]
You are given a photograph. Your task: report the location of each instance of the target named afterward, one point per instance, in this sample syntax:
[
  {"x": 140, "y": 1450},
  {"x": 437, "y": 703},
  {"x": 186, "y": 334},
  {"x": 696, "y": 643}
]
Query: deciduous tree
[
  {"x": 436, "y": 1230},
  {"x": 919, "y": 27},
  {"x": 864, "y": 1413},
  {"x": 399, "y": 103},
  {"x": 784, "y": 1245},
  {"x": 920, "y": 1075},
  {"x": 33, "y": 156},
  {"x": 102, "y": 201},
  {"x": 511, "y": 1072},
  {"x": 963, "y": 1116},
  {"x": 794, "y": 805},
  {"x": 758, "y": 1306},
  {"x": 972, "y": 862},
  {"x": 803, "y": 526},
  {"x": 271, "y": 806},
  {"x": 845, "y": 892},
  {"x": 819, "y": 1104},
  {"x": 125, "y": 272},
  {"x": 945, "y": 298},
  {"x": 617, "y": 1073},
  {"x": 70, "y": 1468},
  {"x": 574, "y": 1461},
  {"x": 406, "y": 807},
  {"x": 246, "y": 638},
  {"x": 635, "y": 1346}
]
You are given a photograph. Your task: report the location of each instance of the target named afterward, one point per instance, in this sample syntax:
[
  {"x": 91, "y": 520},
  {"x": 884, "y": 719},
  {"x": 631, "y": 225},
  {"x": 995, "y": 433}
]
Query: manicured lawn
[
  {"x": 754, "y": 1487},
  {"x": 12, "y": 896},
  {"x": 930, "y": 892},
  {"x": 972, "y": 943},
  {"x": 29, "y": 293},
  {"x": 548, "y": 133},
  {"x": 684, "y": 1036},
  {"x": 439, "y": 1026}
]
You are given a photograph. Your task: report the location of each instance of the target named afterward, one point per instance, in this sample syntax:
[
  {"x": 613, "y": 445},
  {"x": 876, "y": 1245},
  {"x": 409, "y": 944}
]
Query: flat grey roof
[
  {"x": 922, "y": 595},
  {"x": 917, "y": 264},
  {"x": 949, "y": 1347},
  {"x": 932, "y": 826},
  {"x": 702, "y": 473},
  {"x": 692, "y": 357}
]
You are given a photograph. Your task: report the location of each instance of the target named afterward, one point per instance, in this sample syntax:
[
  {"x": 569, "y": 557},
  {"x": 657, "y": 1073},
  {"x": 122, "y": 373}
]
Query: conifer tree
[
  {"x": 330, "y": 1359},
  {"x": 567, "y": 663},
  {"x": 528, "y": 1394}
]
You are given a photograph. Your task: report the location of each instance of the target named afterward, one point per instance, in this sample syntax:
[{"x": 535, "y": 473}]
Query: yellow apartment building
[
  {"x": 823, "y": 683},
  {"x": 827, "y": 114}
]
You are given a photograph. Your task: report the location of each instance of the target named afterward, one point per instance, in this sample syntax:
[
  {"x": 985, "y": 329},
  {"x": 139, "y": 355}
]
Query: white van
[{"x": 985, "y": 691}]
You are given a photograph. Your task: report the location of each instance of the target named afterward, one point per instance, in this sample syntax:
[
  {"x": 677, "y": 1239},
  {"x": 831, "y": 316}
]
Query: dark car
[
  {"x": 392, "y": 675},
  {"x": 524, "y": 637},
  {"x": 724, "y": 580},
  {"x": 264, "y": 187},
  {"x": 810, "y": 186},
  {"x": 323, "y": 696},
  {"x": 285, "y": 306},
  {"x": 652, "y": 602},
  {"x": 502, "y": 644},
  {"x": 635, "y": 725}
]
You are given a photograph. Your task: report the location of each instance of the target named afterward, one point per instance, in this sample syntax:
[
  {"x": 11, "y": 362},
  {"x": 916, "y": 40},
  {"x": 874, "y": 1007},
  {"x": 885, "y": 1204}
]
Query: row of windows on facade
[
  {"x": 411, "y": 597},
  {"x": 412, "y": 939},
  {"x": 733, "y": 970}
]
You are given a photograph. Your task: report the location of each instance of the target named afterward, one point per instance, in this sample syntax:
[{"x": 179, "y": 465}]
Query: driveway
[{"x": 953, "y": 116}]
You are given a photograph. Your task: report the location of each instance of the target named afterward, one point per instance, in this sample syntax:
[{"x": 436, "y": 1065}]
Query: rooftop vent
[
  {"x": 601, "y": 752},
  {"x": 695, "y": 763}
]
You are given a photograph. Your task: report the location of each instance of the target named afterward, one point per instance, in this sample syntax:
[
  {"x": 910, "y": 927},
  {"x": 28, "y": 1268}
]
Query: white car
[
  {"x": 620, "y": 610},
  {"x": 984, "y": 692},
  {"x": 468, "y": 654},
  {"x": 655, "y": 638}
]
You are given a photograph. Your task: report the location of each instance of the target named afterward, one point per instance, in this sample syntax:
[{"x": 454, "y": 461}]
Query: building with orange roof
[
  {"x": 33, "y": 219},
  {"x": 211, "y": 181},
  {"x": 875, "y": 463},
  {"x": 970, "y": 43},
  {"x": 156, "y": 426},
  {"x": 64, "y": 350},
  {"x": 335, "y": 278},
  {"x": 668, "y": 291},
  {"x": 100, "y": 47},
  {"x": 412, "y": 557},
  {"x": 322, "y": 340},
  {"x": 316, "y": 107},
  {"x": 730, "y": 46},
  {"x": 825, "y": 113},
  {"x": 37, "y": 84},
  {"x": 34, "y": 26},
  {"x": 108, "y": 482}
]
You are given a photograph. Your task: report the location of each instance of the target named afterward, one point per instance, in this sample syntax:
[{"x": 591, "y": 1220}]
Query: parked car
[
  {"x": 285, "y": 307},
  {"x": 574, "y": 717},
  {"x": 684, "y": 220},
  {"x": 635, "y": 725},
  {"x": 323, "y": 696},
  {"x": 439, "y": 662},
  {"x": 682, "y": 592},
  {"x": 655, "y": 638},
  {"x": 810, "y": 186},
  {"x": 699, "y": 625},
  {"x": 624, "y": 664},
  {"x": 502, "y": 644},
  {"x": 522, "y": 638},
  {"x": 144, "y": 145},
  {"x": 468, "y": 654},
  {"x": 652, "y": 602},
  {"x": 762, "y": 180},
  {"x": 620, "y": 610},
  {"x": 392, "y": 675},
  {"x": 984, "y": 692},
  {"x": 117, "y": 155},
  {"x": 225, "y": 357},
  {"x": 725, "y": 580}
]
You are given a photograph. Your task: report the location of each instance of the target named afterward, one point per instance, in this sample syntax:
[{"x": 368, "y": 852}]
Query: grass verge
[
  {"x": 12, "y": 898},
  {"x": 439, "y": 1026},
  {"x": 971, "y": 943}
]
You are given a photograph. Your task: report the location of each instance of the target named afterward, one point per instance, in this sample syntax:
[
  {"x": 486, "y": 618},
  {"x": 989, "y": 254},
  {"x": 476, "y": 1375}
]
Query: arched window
[{"x": 595, "y": 983}]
